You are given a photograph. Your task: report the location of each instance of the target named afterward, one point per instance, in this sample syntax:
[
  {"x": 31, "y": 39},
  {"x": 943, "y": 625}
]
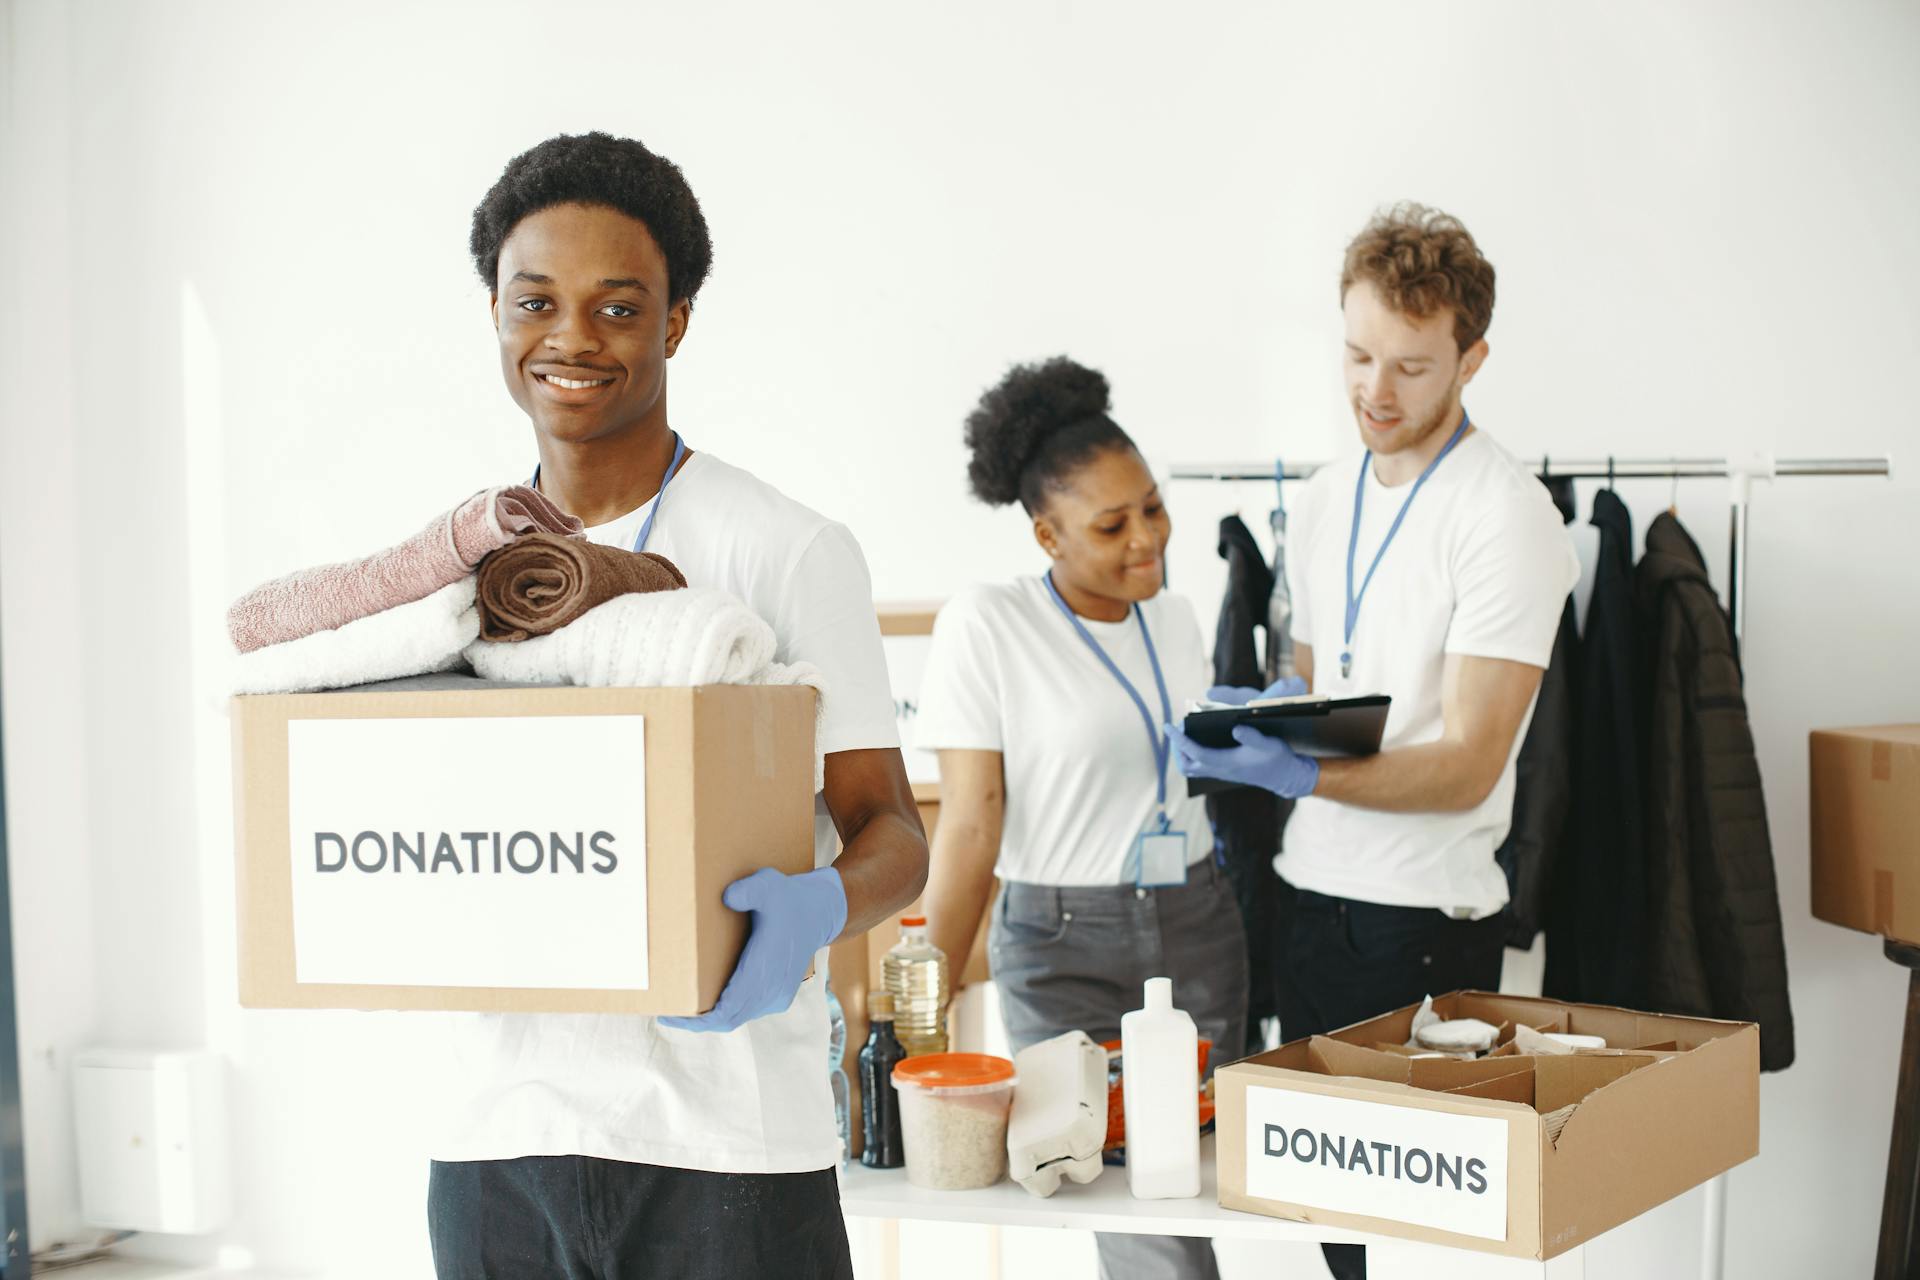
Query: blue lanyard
[
  {"x": 673, "y": 469},
  {"x": 1162, "y": 750},
  {"x": 1353, "y": 538}
]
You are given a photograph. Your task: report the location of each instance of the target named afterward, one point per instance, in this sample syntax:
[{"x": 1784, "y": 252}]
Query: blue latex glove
[
  {"x": 792, "y": 917},
  {"x": 1259, "y": 761},
  {"x": 1239, "y": 695}
]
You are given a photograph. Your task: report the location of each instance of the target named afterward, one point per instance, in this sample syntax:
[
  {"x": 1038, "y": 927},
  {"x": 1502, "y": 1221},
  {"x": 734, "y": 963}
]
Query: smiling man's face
[{"x": 586, "y": 327}]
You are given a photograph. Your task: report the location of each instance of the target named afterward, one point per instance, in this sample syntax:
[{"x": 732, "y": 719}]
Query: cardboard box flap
[
  {"x": 1515, "y": 1086},
  {"x": 1331, "y": 1057},
  {"x": 1711, "y": 1094},
  {"x": 1620, "y": 1028},
  {"x": 1557, "y": 1024},
  {"x": 1563, "y": 1079},
  {"x": 1444, "y": 1075}
]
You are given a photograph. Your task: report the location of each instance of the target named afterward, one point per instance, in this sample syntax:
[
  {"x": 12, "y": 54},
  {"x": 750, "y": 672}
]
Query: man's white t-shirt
[
  {"x": 623, "y": 1087},
  {"x": 1008, "y": 673},
  {"x": 1481, "y": 567}
]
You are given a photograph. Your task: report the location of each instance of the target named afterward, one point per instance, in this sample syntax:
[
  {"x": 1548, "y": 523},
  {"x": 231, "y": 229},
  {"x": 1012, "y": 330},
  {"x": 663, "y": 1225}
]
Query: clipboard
[{"x": 1313, "y": 726}]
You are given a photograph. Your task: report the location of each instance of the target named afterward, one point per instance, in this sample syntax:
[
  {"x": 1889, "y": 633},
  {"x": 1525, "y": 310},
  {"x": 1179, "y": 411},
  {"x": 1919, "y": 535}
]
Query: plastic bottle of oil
[{"x": 914, "y": 973}]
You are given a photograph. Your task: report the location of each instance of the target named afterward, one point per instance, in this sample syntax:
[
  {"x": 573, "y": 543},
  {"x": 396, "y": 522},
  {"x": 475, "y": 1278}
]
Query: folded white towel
[
  {"x": 408, "y": 640},
  {"x": 657, "y": 639}
]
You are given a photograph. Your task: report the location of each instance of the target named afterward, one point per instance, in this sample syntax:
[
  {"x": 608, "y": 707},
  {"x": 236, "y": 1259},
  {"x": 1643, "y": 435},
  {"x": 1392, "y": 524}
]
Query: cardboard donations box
[
  {"x": 508, "y": 848},
  {"x": 1513, "y": 1154},
  {"x": 1865, "y": 787}
]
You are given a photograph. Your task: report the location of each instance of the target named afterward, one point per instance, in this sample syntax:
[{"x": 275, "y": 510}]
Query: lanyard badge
[
  {"x": 1353, "y": 537},
  {"x": 1159, "y": 854}
]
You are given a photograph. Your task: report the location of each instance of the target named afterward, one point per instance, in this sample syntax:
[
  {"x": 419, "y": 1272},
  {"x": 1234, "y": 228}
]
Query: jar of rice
[{"x": 953, "y": 1118}]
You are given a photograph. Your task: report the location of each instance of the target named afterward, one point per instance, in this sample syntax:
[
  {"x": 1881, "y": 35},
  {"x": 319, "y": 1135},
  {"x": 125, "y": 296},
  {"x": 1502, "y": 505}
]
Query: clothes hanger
[
  {"x": 1673, "y": 493},
  {"x": 1609, "y": 472}
]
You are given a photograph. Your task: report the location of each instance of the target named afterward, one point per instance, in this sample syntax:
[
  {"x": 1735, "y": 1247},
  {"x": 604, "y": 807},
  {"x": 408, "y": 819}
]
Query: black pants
[
  {"x": 580, "y": 1218},
  {"x": 1338, "y": 962}
]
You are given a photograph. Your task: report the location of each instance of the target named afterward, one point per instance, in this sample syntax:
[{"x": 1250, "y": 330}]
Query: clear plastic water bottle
[
  {"x": 836, "y": 1071},
  {"x": 914, "y": 973}
]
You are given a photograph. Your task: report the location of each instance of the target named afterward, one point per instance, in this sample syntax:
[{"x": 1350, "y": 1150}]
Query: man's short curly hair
[
  {"x": 599, "y": 169},
  {"x": 1424, "y": 261}
]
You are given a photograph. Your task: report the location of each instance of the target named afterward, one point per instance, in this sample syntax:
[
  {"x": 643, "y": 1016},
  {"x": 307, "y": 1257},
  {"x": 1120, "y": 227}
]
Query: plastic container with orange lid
[{"x": 953, "y": 1118}]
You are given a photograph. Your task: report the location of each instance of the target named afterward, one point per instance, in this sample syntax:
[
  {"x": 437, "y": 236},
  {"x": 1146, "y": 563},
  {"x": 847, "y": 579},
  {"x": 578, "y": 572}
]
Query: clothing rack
[{"x": 1741, "y": 471}]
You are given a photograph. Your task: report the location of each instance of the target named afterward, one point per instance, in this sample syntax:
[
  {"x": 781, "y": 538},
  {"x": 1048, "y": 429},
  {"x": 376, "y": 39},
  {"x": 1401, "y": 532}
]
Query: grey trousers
[{"x": 1075, "y": 959}]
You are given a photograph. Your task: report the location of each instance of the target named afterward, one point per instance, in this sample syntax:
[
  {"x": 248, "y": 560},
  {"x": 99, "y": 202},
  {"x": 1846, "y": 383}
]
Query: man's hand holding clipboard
[{"x": 1269, "y": 738}]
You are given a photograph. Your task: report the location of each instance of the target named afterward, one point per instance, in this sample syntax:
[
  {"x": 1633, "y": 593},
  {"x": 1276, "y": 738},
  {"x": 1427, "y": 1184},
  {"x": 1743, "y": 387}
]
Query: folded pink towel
[{"x": 441, "y": 554}]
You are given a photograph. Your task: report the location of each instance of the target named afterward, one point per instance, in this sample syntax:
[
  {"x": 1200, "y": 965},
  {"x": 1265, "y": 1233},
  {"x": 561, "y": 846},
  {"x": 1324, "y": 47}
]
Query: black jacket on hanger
[
  {"x": 1247, "y": 820},
  {"x": 1597, "y": 919},
  {"x": 1715, "y": 947},
  {"x": 1543, "y": 776}
]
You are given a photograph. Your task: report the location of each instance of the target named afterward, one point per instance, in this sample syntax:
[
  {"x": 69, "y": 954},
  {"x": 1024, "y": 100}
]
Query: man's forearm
[
  {"x": 882, "y": 868},
  {"x": 1435, "y": 777}
]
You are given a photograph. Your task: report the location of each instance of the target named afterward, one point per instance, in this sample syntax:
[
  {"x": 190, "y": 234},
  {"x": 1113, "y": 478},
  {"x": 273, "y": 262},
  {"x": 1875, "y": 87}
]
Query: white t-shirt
[
  {"x": 623, "y": 1087},
  {"x": 1480, "y": 567},
  {"x": 1008, "y": 673}
]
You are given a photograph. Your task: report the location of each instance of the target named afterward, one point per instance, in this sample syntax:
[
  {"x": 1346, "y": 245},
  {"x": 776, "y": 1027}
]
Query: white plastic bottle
[{"x": 1160, "y": 1083}]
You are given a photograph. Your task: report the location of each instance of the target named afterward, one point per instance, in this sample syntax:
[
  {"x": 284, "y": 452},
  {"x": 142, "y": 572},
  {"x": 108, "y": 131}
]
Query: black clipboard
[{"x": 1312, "y": 726}]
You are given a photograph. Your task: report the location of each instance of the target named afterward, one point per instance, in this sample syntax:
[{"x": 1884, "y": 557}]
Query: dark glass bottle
[{"x": 881, "y": 1147}]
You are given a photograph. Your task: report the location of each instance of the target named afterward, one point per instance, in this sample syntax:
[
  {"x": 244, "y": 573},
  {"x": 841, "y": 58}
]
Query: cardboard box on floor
[
  {"x": 1865, "y": 818},
  {"x": 510, "y": 849},
  {"x": 1515, "y": 1155}
]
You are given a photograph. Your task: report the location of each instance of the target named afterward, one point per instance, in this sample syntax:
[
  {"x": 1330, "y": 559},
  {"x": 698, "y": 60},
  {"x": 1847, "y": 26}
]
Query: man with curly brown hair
[{"x": 1430, "y": 567}]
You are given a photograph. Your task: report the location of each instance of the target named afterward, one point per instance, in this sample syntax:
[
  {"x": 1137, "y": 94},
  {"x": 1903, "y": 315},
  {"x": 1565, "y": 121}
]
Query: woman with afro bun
[{"x": 1047, "y": 699}]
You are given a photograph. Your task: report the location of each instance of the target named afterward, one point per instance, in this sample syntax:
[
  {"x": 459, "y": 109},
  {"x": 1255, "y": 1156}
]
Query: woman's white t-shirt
[
  {"x": 623, "y": 1087},
  {"x": 1008, "y": 673},
  {"x": 1481, "y": 567}
]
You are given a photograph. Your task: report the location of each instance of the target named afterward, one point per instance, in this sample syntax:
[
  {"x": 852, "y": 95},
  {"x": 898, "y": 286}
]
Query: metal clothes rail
[{"x": 1741, "y": 471}]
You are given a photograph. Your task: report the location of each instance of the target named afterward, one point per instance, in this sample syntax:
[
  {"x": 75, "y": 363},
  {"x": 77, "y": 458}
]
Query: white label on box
[
  {"x": 906, "y": 665},
  {"x": 470, "y": 852},
  {"x": 1430, "y": 1168}
]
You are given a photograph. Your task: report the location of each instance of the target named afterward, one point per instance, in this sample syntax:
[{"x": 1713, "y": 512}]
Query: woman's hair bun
[{"x": 1018, "y": 417}]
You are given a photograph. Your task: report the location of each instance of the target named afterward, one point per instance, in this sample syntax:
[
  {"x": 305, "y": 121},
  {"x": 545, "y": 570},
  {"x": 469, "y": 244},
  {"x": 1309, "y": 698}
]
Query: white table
[{"x": 1105, "y": 1205}]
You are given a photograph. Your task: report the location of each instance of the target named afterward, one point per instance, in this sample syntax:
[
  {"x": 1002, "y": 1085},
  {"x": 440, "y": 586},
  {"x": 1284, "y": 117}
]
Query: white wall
[{"x": 241, "y": 334}]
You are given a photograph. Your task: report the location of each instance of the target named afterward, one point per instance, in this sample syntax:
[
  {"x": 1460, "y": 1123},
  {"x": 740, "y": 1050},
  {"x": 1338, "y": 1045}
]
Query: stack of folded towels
[{"x": 505, "y": 584}]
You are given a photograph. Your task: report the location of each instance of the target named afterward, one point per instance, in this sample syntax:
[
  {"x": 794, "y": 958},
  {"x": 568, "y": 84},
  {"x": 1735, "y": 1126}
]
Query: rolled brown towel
[
  {"x": 441, "y": 554},
  {"x": 539, "y": 583}
]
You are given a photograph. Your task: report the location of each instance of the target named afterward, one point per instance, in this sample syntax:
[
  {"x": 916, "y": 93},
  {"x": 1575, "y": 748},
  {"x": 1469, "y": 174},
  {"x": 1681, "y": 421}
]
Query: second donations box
[
  {"x": 1513, "y": 1154},
  {"x": 511, "y": 849}
]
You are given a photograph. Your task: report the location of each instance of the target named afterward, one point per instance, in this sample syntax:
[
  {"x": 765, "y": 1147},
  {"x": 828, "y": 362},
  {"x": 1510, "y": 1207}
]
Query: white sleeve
[
  {"x": 960, "y": 687},
  {"x": 827, "y": 619},
  {"x": 1511, "y": 580},
  {"x": 1300, "y": 533},
  {"x": 1197, "y": 675}
]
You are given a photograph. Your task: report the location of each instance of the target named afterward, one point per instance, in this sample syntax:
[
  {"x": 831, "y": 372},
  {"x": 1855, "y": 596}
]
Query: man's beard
[{"x": 1404, "y": 437}]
